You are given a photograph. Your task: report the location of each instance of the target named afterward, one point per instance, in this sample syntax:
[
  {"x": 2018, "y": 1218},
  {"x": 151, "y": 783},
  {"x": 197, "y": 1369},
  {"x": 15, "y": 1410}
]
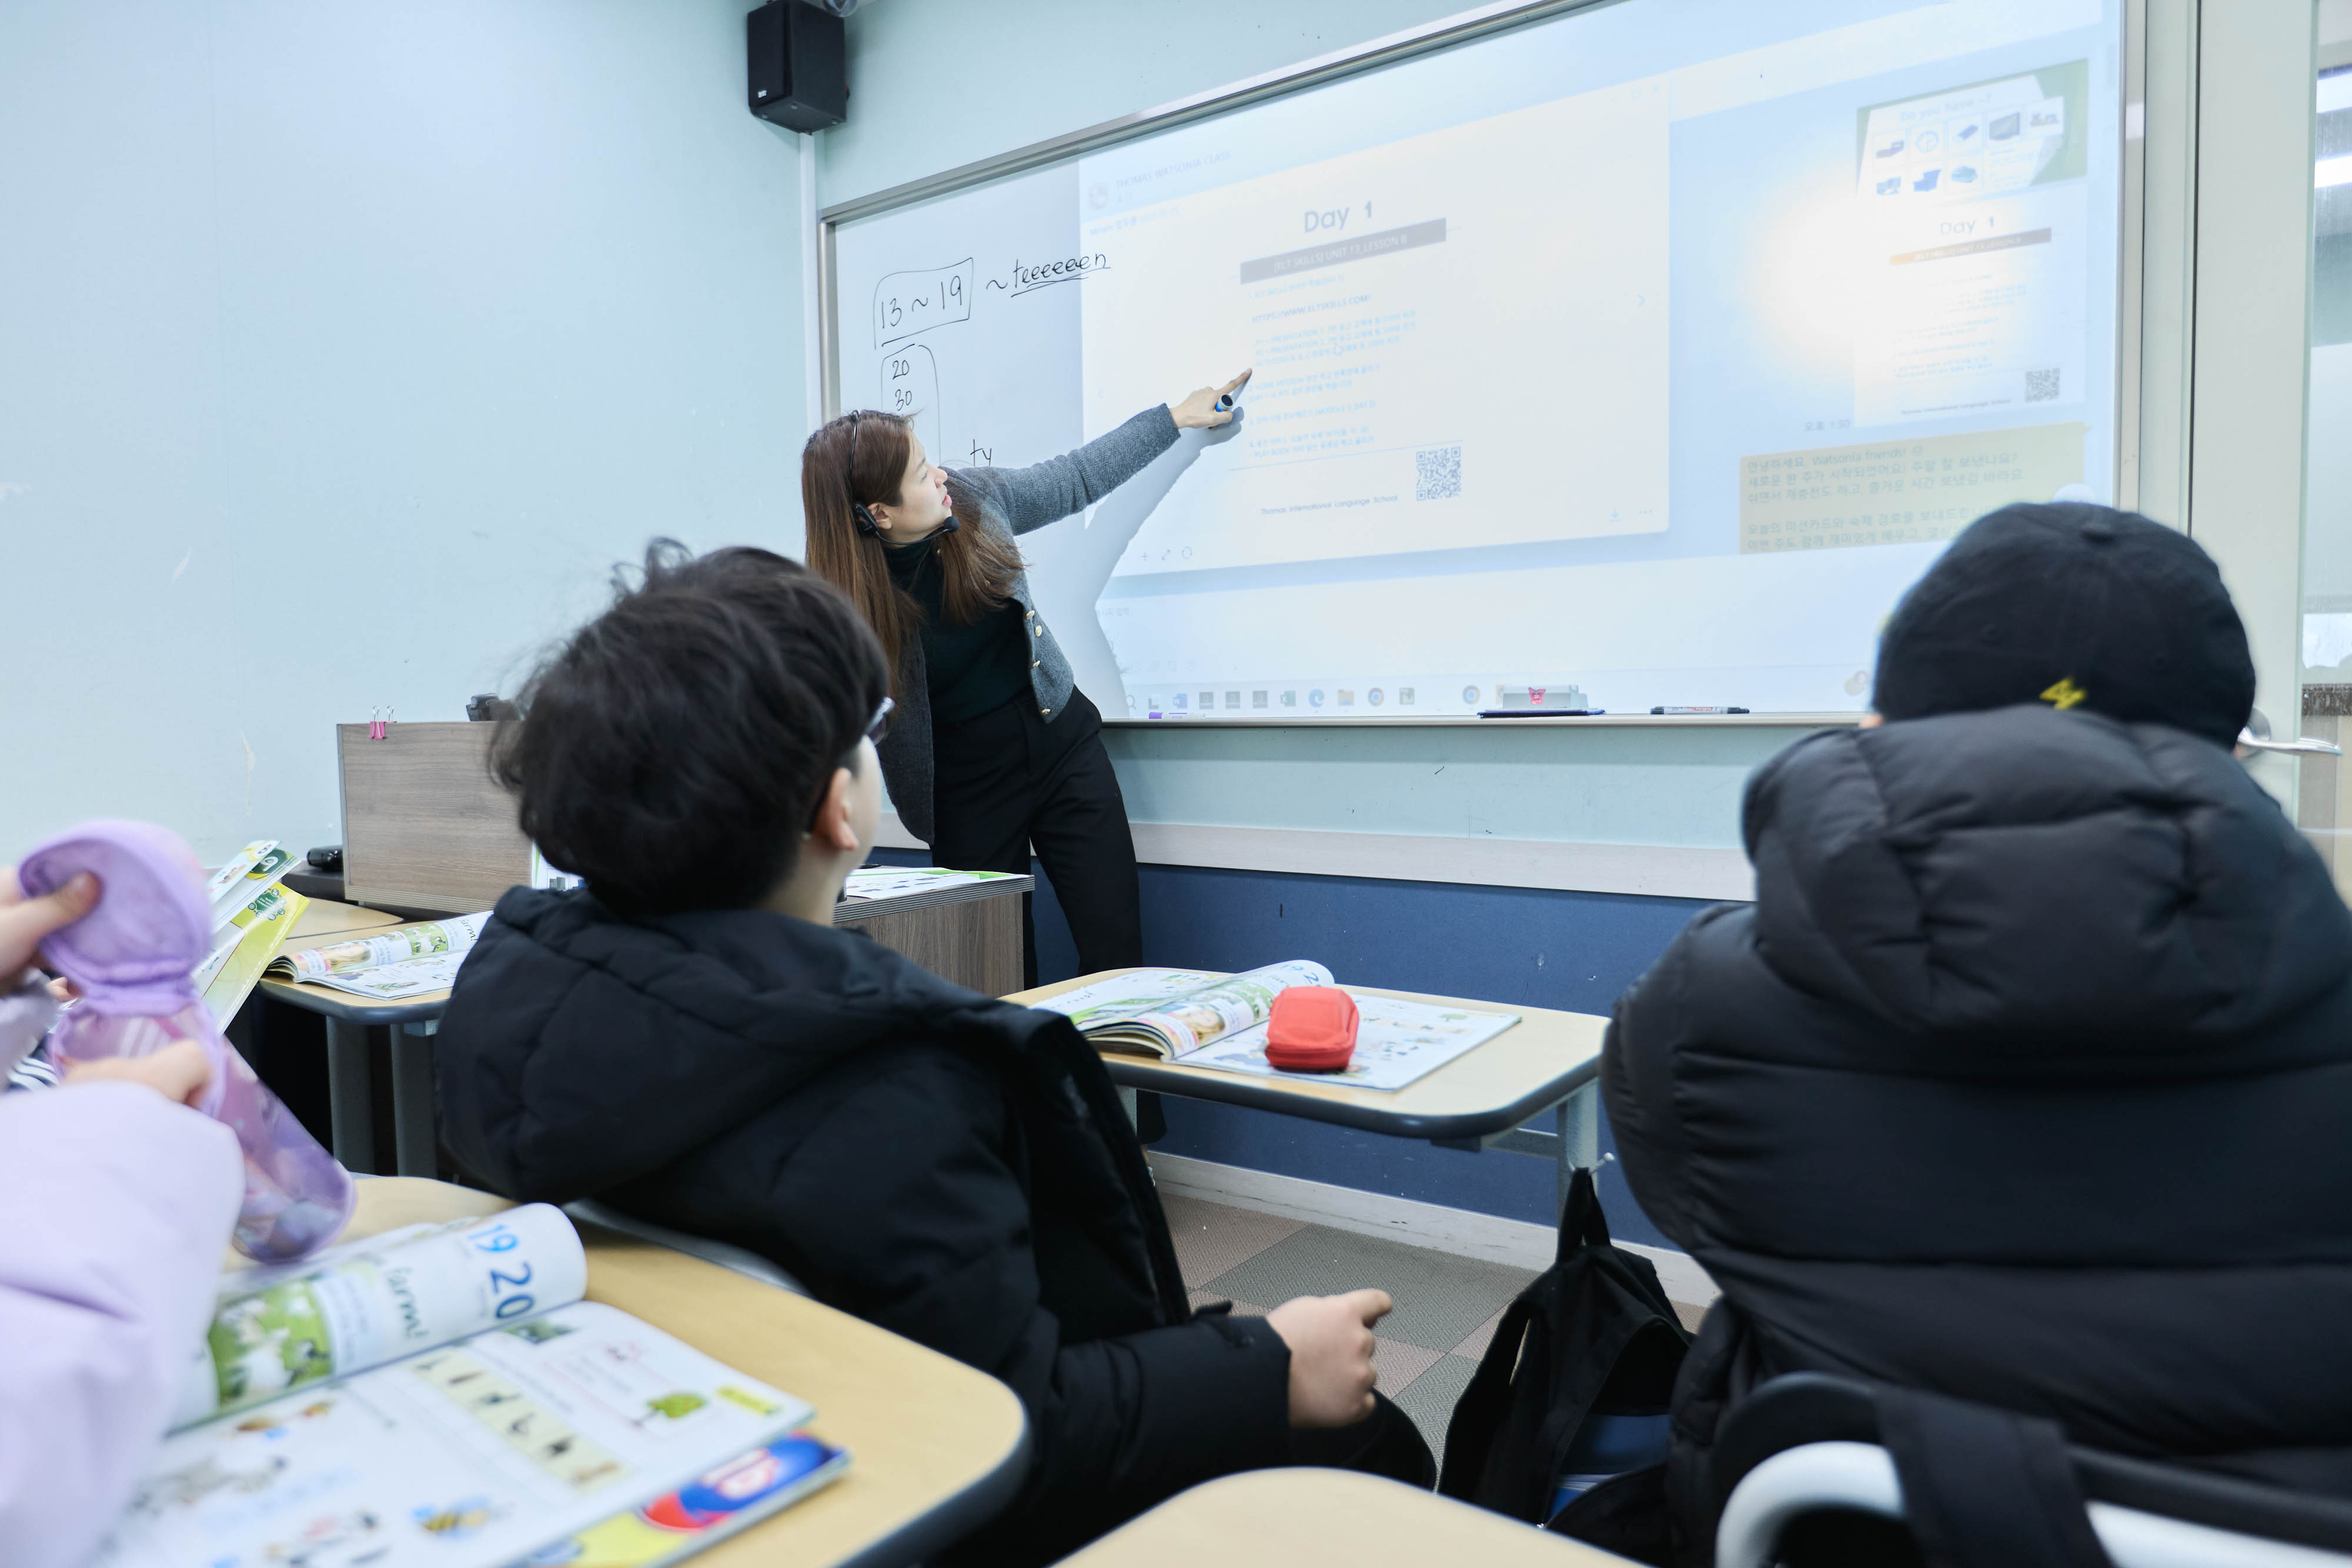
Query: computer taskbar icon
[{"x": 1264, "y": 699}]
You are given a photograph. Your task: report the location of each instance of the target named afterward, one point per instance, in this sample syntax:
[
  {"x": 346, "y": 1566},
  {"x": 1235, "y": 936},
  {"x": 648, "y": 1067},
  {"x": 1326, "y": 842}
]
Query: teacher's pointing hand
[{"x": 1200, "y": 411}]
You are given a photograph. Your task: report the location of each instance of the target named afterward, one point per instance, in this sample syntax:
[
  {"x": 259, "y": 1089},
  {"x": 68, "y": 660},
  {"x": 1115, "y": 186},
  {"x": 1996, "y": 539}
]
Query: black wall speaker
[{"x": 799, "y": 66}]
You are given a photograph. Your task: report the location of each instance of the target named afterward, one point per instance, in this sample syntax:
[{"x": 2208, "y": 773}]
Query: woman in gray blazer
[{"x": 992, "y": 749}]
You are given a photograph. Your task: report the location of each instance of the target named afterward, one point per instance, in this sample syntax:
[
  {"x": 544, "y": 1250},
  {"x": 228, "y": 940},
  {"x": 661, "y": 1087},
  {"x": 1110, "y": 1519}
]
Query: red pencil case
[{"x": 1311, "y": 1030}]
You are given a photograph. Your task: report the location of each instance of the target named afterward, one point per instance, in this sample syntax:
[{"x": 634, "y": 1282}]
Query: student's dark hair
[
  {"x": 674, "y": 752},
  {"x": 977, "y": 566}
]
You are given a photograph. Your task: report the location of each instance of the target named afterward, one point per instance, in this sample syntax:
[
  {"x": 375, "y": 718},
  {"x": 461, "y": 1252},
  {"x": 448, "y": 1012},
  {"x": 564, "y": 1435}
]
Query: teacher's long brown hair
[{"x": 977, "y": 567}]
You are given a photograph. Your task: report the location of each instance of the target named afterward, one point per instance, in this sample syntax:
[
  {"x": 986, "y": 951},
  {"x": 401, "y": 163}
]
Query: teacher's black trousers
[{"x": 1011, "y": 778}]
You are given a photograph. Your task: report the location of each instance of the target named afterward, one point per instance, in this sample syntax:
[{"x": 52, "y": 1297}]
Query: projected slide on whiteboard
[
  {"x": 1408, "y": 308},
  {"x": 1644, "y": 355}
]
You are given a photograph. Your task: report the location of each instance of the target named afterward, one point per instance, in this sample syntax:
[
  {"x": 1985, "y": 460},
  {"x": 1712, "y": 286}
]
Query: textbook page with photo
[
  {"x": 1202, "y": 1019},
  {"x": 243, "y": 876},
  {"x": 387, "y": 966},
  {"x": 442, "y": 1395},
  {"x": 252, "y": 913}
]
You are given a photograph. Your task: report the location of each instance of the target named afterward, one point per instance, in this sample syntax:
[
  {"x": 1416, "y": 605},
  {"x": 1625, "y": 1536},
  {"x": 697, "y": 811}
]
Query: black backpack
[{"x": 1593, "y": 1335}]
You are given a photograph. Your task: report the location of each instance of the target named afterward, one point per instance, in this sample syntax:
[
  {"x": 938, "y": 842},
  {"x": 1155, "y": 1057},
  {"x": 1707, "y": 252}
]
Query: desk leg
[
  {"x": 238, "y": 1030},
  {"x": 1576, "y": 1122},
  {"x": 415, "y": 1148},
  {"x": 1563, "y": 1165},
  {"x": 351, "y": 1105}
]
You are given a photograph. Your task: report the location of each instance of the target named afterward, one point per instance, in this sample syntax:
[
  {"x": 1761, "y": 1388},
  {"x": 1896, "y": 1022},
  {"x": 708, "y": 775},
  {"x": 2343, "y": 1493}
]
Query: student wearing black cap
[
  {"x": 2074, "y": 606},
  {"x": 2026, "y": 1079}
]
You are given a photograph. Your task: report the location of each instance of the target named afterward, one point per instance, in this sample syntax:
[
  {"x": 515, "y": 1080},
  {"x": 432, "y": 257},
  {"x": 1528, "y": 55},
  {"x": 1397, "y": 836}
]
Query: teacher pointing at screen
[{"x": 992, "y": 749}]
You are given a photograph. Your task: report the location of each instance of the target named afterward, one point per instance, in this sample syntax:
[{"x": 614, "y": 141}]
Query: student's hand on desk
[
  {"x": 1199, "y": 411},
  {"x": 1330, "y": 1341},
  {"x": 180, "y": 1072}
]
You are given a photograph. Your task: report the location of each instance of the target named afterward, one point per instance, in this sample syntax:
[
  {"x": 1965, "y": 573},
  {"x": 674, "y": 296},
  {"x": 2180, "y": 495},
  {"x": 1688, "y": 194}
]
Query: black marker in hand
[{"x": 1209, "y": 407}]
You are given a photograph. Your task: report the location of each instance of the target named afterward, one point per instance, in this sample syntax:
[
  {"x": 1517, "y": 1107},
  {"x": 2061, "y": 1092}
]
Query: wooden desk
[
  {"x": 1283, "y": 1518},
  {"x": 970, "y": 935},
  {"x": 426, "y": 826},
  {"x": 327, "y": 920},
  {"x": 351, "y": 1099},
  {"x": 1549, "y": 1060},
  {"x": 938, "y": 1447}
]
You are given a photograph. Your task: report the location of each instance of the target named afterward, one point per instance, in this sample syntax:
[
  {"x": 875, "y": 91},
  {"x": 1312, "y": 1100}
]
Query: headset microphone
[
  {"x": 859, "y": 511},
  {"x": 857, "y": 508}
]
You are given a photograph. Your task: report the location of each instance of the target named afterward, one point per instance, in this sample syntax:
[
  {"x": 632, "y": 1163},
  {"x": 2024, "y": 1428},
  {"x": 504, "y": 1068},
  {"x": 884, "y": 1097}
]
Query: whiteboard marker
[{"x": 1698, "y": 710}]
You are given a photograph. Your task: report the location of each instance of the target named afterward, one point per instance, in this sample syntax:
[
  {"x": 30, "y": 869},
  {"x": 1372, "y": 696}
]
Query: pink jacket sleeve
[{"x": 117, "y": 1208}]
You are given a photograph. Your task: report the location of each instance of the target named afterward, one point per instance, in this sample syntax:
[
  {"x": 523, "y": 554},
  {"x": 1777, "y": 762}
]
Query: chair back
[{"x": 1806, "y": 1442}]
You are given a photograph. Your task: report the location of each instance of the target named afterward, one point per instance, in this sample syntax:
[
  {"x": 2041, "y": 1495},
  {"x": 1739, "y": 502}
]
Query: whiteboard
[{"x": 1637, "y": 356}]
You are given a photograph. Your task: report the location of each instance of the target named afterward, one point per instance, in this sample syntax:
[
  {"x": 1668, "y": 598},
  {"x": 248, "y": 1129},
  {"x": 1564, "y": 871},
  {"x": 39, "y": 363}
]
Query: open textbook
[
  {"x": 405, "y": 961},
  {"x": 252, "y": 913},
  {"x": 261, "y": 865},
  {"x": 1219, "y": 1020},
  {"x": 441, "y": 1395},
  {"x": 244, "y": 945}
]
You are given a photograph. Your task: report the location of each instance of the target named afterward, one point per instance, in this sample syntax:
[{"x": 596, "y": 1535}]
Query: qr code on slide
[
  {"x": 2041, "y": 386},
  {"x": 1437, "y": 473}
]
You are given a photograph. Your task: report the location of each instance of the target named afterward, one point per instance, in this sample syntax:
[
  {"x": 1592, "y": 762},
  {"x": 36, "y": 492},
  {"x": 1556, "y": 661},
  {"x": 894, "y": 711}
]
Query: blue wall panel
[{"x": 1571, "y": 950}]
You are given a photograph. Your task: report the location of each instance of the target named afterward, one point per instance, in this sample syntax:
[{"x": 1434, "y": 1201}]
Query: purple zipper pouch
[{"x": 136, "y": 951}]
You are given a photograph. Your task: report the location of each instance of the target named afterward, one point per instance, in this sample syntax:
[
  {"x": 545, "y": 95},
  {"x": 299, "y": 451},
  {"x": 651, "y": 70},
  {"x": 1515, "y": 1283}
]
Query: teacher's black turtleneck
[{"x": 970, "y": 670}]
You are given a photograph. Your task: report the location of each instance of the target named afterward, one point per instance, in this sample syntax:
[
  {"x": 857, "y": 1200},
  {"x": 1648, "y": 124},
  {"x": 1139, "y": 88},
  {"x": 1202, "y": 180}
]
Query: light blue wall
[
  {"x": 938, "y": 83},
  {"x": 342, "y": 350}
]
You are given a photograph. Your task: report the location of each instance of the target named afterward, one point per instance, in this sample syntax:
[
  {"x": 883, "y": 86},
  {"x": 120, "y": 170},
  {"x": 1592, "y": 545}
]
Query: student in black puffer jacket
[
  {"x": 692, "y": 1040},
  {"x": 2027, "y": 1078}
]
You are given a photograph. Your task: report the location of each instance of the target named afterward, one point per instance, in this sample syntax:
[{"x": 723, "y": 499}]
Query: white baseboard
[
  {"x": 1456, "y": 1231},
  {"x": 1656, "y": 871}
]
